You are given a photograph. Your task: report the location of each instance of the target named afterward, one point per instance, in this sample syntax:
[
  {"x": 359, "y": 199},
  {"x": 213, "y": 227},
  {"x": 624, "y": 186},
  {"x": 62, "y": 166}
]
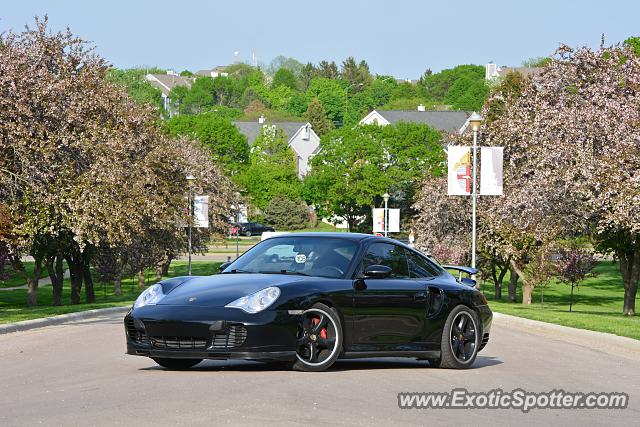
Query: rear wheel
[
  {"x": 460, "y": 339},
  {"x": 319, "y": 339},
  {"x": 247, "y": 233},
  {"x": 176, "y": 364}
]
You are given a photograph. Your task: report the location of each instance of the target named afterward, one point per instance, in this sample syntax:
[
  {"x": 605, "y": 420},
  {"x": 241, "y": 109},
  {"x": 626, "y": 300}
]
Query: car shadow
[{"x": 339, "y": 366}]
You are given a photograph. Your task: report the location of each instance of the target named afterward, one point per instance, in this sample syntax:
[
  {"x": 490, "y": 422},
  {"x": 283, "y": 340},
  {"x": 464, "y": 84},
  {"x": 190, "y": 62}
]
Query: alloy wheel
[
  {"x": 464, "y": 337},
  {"x": 317, "y": 337}
]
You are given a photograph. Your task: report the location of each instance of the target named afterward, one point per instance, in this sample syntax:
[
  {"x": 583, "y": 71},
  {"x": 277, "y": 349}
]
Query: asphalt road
[{"x": 78, "y": 374}]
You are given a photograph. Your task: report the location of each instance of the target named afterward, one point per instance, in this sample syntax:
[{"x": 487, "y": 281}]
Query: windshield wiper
[
  {"x": 295, "y": 273},
  {"x": 237, "y": 270}
]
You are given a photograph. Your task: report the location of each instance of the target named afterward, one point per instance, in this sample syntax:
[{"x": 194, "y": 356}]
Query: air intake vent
[
  {"x": 138, "y": 337},
  {"x": 234, "y": 336},
  {"x": 179, "y": 343}
]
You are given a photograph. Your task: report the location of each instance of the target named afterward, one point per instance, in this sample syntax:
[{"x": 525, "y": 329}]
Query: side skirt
[{"x": 433, "y": 354}]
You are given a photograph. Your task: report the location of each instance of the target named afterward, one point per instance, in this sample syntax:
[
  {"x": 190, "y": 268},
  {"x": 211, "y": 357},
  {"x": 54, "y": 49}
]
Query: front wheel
[
  {"x": 176, "y": 364},
  {"x": 319, "y": 339},
  {"x": 460, "y": 339},
  {"x": 247, "y": 233}
]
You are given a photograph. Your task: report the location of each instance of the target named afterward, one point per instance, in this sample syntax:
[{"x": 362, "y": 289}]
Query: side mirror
[
  {"x": 468, "y": 281},
  {"x": 377, "y": 272},
  {"x": 223, "y": 266}
]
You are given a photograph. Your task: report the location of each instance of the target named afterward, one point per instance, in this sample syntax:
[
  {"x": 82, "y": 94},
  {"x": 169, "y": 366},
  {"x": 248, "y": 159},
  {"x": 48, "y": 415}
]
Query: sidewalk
[{"x": 45, "y": 281}]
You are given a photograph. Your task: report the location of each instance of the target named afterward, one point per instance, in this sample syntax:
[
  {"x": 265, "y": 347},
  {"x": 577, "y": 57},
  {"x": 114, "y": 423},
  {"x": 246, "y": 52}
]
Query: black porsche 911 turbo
[{"x": 309, "y": 299}]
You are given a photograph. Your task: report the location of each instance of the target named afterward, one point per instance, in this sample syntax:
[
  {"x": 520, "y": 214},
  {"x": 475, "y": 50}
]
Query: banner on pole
[
  {"x": 491, "y": 171},
  {"x": 378, "y": 220},
  {"x": 394, "y": 221},
  {"x": 459, "y": 170},
  {"x": 201, "y": 211}
]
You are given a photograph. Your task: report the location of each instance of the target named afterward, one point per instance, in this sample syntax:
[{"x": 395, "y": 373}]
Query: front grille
[
  {"x": 233, "y": 336},
  {"x": 138, "y": 337},
  {"x": 485, "y": 340},
  {"x": 179, "y": 343}
]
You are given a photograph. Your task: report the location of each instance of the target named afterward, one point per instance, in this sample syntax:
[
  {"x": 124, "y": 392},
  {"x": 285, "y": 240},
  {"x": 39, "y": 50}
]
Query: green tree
[
  {"x": 356, "y": 74},
  {"x": 331, "y": 96},
  {"x": 634, "y": 44},
  {"x": 328, "y": 70},
  {"x": 229, "y": 147},
  {"x": 462, "y": 87},
  {"x": 284, "y": 77},
  {"x": 316, "y": 115},
  {"x": 283, "y": 213},
  {"x": 272, "y": 169},
  {"x": 137, "y": 86}
]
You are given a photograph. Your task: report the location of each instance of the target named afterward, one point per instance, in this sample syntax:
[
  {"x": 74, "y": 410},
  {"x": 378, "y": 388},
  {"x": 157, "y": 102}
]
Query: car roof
[{"x": 338, "y": 235}]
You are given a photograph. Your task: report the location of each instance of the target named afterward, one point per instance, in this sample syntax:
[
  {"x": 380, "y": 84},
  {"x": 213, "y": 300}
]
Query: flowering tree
[
  {"x": 573, "y": 265},
  {"x": 81, "y": 164}
]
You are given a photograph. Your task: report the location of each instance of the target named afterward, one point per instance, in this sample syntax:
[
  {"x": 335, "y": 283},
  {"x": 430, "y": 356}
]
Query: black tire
[
  {"x": 460, "y": 339},
  {"x": 248, "y": 233},
  {"x": 316, "y": 353},
  {"x": 176, "y": 364}
]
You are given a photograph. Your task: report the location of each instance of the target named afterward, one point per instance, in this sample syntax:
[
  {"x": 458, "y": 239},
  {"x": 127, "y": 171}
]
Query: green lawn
[
  {"x": 13, "y": 306},
  {"x": 16, "y": 279},
  {"x": 597, "y": 304}
]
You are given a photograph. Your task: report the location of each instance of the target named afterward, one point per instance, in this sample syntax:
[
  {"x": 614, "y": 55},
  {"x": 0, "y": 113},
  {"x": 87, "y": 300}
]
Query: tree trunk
[
  {"x": 74, "y": 261},
  {"x": 140, "y": 279},
  {"x": 89, "y": 292},
  {"x": 630, "y": 270},
  {"x": 527, "y": 288},
  {"x": 32, "y": 280},
  {"x": 117, "y": 285},
  {"x": 56, "y": 275},
  {"x": 513, "y": 285}
]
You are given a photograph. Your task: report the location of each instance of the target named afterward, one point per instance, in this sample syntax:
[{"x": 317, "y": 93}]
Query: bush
[{"x": 283, "y": 213}]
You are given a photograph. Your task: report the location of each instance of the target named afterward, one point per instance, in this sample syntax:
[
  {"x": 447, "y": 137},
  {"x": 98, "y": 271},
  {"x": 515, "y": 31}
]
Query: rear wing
[{"x": 467, "y": 270}]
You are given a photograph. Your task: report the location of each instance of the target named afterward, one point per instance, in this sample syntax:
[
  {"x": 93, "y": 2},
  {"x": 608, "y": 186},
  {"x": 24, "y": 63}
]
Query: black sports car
[{"x": 309, "y": 299}]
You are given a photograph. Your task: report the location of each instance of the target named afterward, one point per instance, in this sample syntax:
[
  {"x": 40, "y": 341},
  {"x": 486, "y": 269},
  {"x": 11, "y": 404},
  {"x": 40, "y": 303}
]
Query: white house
[
  {"x": 166, "y": 82},
  {"x": 493, "y": 71},
  {"x": 444, "y": 121},
  {"x": 302, "y": 139},
  {"x": 214, "y": 72}
]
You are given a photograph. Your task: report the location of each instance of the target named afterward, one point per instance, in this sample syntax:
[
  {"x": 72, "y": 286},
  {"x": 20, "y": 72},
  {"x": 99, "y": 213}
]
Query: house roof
[
  {"x": 218, "y": 69},
  {"x": 444, "y": 121},
  {"x": 252, "y": 129},
  {"x": 166, "y": 82},
  {"x": 525, "y": 71}
]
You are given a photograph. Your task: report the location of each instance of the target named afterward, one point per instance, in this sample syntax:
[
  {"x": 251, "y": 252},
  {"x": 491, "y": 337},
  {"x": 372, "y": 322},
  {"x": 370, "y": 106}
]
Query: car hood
[{"x": 220, "y": 289}]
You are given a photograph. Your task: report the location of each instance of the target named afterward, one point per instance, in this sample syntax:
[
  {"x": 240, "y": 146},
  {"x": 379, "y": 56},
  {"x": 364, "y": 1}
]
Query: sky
[{"x": 396, "y": 37}]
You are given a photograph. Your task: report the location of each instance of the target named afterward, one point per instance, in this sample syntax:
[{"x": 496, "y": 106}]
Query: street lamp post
[
  {"x": 385, "y": 197},
  {"x": 237, "y": 224},
  {"x": 190, "y": 180},
  {"x": 475, "y": 121}
]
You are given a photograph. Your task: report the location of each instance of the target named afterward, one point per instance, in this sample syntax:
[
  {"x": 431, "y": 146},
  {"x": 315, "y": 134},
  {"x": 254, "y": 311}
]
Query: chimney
[
  {"x": 262, "y": 119},
  {"x": 421, "y": 108}
]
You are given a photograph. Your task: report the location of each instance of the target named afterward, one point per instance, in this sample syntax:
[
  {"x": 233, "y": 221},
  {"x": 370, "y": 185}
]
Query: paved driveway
[{"x": 78, "y": 374}]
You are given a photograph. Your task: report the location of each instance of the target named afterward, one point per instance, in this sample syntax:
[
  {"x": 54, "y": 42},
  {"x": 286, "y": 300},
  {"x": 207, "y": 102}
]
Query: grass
[
  {"x": 597, "y": 303},
  {"x": 13, "y": 306},
  {"x": 15, "y": 279}
]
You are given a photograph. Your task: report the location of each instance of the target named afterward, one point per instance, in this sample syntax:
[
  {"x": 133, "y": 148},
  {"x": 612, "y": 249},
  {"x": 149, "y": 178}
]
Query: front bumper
[{"x": 210, "y": 333}]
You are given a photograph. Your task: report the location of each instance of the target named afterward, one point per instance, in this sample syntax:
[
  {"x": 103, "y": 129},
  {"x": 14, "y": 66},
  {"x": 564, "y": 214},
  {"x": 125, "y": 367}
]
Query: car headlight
[
  {"x": 257, "y": 301},
  {"x": 151, "y": 296}
]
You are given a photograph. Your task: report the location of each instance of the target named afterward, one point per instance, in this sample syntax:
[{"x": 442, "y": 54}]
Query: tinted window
[
  {"x": 420, "y": 267},
  {"x": 390, "y": 255},
  {"x": 322, "y": 257}
]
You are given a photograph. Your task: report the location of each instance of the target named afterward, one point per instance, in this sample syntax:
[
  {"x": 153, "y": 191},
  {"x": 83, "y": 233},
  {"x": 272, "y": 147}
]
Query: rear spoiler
[{"x": 469, "y": 270}]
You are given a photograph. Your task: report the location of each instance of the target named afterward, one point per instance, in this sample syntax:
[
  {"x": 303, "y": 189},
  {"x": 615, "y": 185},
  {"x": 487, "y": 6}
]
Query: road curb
[
  {"x": 606, "y": 342},
  {"x": 57, "y": 320}
]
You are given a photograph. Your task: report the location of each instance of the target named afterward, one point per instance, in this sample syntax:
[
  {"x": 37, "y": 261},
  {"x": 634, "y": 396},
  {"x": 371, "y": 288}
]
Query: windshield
[{"x": 307, "y": 256}]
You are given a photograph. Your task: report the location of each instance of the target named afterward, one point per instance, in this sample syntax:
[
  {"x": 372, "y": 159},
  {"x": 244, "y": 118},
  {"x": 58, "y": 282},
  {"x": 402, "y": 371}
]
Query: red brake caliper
[{"x": 323, "y": 331}]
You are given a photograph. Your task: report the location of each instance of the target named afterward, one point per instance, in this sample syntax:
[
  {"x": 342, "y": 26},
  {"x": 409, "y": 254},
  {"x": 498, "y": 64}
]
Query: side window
[
  {"x": 420, "y": 267},
  {"x": 390, "y": 255}
]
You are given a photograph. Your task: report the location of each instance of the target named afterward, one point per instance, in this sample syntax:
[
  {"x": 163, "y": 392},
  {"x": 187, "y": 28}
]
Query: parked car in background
[{"x": 250, "y": 229}]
